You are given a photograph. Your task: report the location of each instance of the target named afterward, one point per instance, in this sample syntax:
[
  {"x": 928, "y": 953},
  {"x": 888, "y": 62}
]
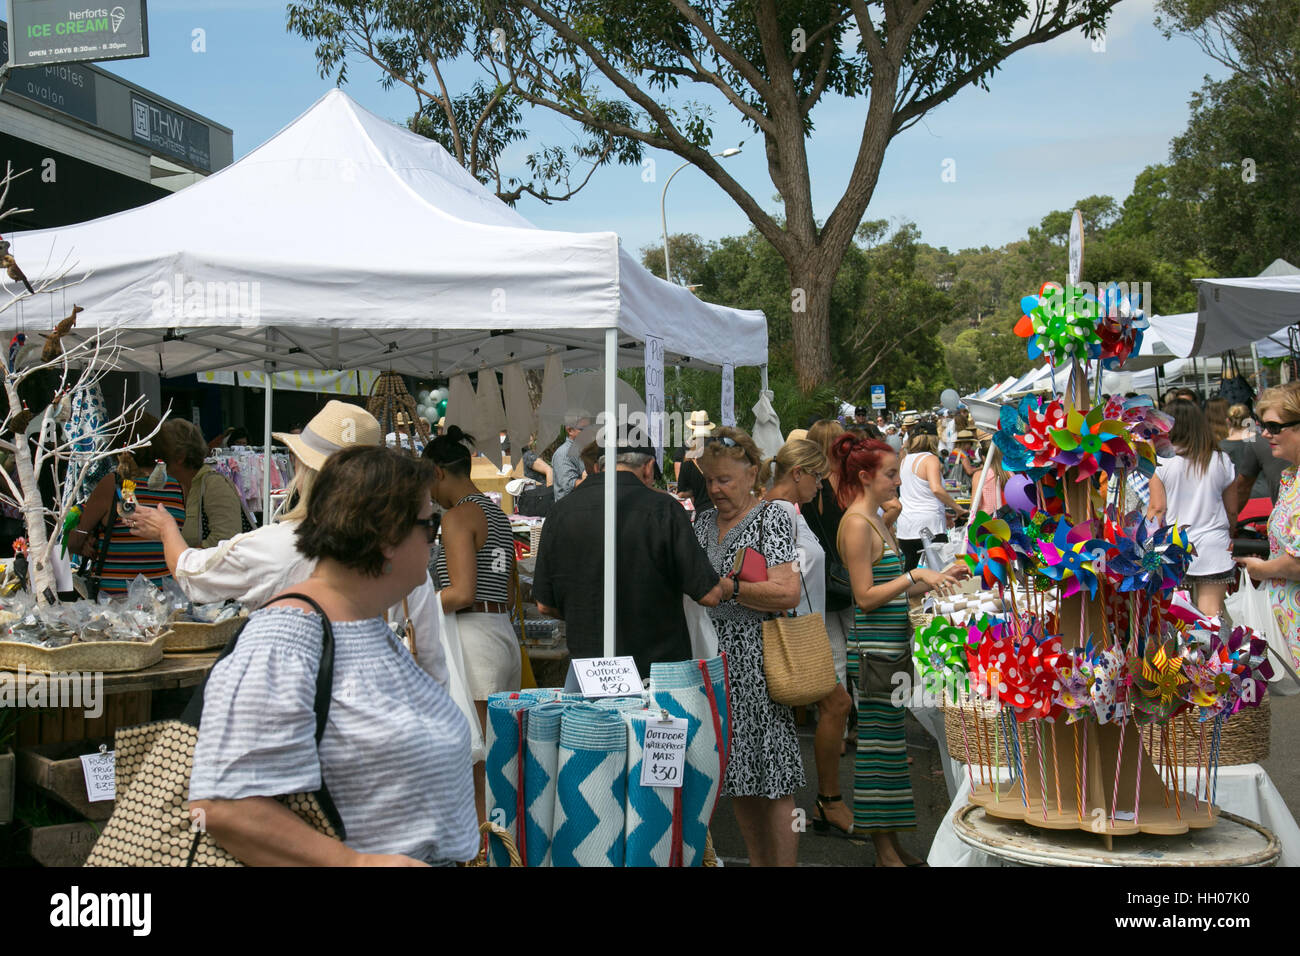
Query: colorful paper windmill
[
  {"x": 1108, "y": 690},
  {"x": 991, "y": 553},
  {"x": 1060, "y": 324},
  {"x": 1089, "y": 444},
  {"x": 1074, "y": 669},
  {"x": 1143, "y": 560},
  {"x": 1243, "y": 654},
  {"x": 1159, "y": 679},
  {"x": 995, "y": 669},
  {"x": 1040, "y": 657},
  {"x": 940, "y": 655},
  {"x": 1068, "y": 558},
  {"x": 1120, "y": 326}
]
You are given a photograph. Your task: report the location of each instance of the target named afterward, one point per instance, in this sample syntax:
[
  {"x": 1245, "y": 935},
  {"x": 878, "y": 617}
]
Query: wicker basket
[
  {"x": 1244, "y": 739},
  {"x": 103, "y": 656},
  {"x": 534, "y": 540},
  {"x": 195, "y": 636}
]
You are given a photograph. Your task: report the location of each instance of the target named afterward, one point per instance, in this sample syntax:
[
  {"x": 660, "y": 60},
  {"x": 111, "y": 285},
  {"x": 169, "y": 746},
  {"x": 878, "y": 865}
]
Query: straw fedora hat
[
  {"x": 700, "y": 425},
  {"x": 796, "y": 434},
  {"x": 337, "y": 426},
  {"x": 965, "y": 435}
]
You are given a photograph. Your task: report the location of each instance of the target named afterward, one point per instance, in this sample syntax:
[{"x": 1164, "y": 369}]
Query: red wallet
[{"x": 750, "y": 566}]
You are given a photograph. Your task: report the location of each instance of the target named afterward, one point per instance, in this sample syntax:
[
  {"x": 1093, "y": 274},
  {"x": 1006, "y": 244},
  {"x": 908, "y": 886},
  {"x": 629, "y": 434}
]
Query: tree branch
[{"x": 738, "y": 63}]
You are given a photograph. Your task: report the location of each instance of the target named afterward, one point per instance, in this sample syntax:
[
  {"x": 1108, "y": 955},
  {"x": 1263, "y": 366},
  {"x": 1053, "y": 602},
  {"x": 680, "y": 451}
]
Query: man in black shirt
[{"x": 657, "y": 561}]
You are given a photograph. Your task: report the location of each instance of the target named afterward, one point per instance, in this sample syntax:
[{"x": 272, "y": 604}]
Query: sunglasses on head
[
  {"x": 723, "y": 440},
  {"x": 1275, "y": 428}
]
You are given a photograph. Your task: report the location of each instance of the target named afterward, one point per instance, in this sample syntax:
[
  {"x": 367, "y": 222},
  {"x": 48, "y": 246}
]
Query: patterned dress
[
  {"x": 1284, "y": 538},
  {"x": 879, "y": 646},
  {"x": 765, "y": 758}
]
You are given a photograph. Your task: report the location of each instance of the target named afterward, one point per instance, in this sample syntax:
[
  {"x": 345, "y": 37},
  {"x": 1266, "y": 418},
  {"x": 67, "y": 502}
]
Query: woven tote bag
[
  {"x": 151, "y": 824},
  {"x": 797, "y": 659}
]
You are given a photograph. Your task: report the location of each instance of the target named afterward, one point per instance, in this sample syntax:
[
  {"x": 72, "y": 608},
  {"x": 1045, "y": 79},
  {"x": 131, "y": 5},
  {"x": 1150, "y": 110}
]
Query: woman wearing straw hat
[
  {"x": 690, "y": 480},
  {"x": 255, "y": 566}
]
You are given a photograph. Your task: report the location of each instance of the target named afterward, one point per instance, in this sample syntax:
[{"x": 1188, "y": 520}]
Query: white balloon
[
  {"x": 950, "y": 399},
  {"x": 423, "y": 397}
]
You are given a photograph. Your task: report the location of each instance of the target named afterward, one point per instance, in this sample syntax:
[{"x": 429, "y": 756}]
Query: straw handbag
[
  {"x": 797, "y": 658},
  {"x": 151, "y": 824}
]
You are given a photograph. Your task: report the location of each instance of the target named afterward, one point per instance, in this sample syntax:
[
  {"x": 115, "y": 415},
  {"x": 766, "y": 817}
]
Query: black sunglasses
[
  {"x": 724, "y": 441},
  {"x": 1275, "y": 428},
  {"x": 430, "y": 526}
]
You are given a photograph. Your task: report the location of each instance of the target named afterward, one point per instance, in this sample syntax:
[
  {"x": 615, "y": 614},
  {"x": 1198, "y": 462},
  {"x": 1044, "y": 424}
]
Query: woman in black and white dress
[{"x": 765, "y": 766}]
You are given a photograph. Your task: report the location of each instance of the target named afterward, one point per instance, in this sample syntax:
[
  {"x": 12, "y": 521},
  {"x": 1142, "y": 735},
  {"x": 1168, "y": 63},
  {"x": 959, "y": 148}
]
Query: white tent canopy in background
[
  {"x": 346, "y": 242},
  {"x": 1236, "y": 312}
]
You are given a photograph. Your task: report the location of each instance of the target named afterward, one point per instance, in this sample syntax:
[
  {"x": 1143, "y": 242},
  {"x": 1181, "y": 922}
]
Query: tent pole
[
  {"x": 610, "y": 479},
  {"x": 762, "y": 375},
  {"x": 1254, "y": 357},
  {"x": 266, "y": 450}
]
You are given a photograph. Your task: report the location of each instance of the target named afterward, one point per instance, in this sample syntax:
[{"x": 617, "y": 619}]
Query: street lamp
[{"x": 663, "y": 216}]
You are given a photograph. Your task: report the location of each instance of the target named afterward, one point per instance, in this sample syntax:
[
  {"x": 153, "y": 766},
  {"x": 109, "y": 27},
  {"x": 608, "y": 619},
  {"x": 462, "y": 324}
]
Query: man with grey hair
[
  {"x": 566, "y": 463},
  {"x": 657, "y": 561}
]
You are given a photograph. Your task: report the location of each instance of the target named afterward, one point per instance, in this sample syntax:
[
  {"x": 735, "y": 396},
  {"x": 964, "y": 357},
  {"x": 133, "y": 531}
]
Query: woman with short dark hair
[
  {"x": 213, "y": 511},
  {"x": 474, "y": 573},
  {"x": 395, "y": 754}
]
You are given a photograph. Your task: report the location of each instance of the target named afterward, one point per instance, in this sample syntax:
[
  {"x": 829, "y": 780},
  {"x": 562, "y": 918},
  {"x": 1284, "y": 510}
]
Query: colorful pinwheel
[
  {"x": 1041, "y": 657},
  {"x": 940, "y": 655},
  {"x": 1089, "y": 444},
  {"x": 1060, "y": 324},
  {"x": 1074, "y": 670},
  {"x": 1120, "y": 326},
  {"x": 1159, "y": 679},
  {"x": 991, "y": 554},
  {"x": 1143, "y": 560},
  {"x": 1108, "y": 690},
  {"x": 1243, "y": 655},
  {"x": 1068, "y": 558}
]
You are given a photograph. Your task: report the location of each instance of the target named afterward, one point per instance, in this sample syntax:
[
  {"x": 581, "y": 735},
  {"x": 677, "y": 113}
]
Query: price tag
[
  {"x": 663, "y": 759},
  {"x": 603, "y": 677},
  {"x": 98, "y": 769}
]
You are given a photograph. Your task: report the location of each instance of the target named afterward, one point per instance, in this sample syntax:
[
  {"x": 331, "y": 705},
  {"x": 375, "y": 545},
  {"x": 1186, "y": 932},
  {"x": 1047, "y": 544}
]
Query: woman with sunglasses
[
  {"x": 474, "y": 570},
  {"x": 1196, "y": 490},
  {"x": 797, "y": 474},
  {"x": 1278, "y": 411}
]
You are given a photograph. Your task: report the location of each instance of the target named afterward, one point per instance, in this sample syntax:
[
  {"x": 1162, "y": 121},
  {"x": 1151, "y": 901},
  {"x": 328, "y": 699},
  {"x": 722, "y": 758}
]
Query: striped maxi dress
[{"x": 879, "y": 645}]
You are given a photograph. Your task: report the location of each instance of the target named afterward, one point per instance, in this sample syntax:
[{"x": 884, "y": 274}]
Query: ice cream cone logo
[{"x": 118, "y": 14}]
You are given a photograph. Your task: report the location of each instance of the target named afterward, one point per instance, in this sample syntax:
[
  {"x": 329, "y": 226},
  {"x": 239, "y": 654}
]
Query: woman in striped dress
[
  {"x": 880, "y": 642},
  {"x": 474, "y": 571}
]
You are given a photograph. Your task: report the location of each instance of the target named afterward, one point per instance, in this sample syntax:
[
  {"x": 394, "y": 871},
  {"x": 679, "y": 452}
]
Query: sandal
[{"x": 821, "y": 824}]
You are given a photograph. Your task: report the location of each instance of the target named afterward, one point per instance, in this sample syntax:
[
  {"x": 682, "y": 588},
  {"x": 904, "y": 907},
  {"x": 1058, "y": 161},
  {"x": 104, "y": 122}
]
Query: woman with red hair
[{"x": 880, "y": 642}]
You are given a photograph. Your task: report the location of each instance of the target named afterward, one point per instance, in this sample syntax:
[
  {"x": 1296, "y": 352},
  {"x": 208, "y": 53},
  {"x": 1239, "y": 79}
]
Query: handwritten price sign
[
  {"x": 98, "y": 769},
  {"x": 663, "y": 759},
  {"x": 603, "y": 677}
]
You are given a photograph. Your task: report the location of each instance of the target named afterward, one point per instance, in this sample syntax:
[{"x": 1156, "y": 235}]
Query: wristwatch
[{"x": 735, "y": 588}]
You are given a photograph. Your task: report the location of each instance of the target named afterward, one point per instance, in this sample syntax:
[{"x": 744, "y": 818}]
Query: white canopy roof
[
  {"x": 1237, "y": 312},
  {"x": 348, "y": 242}
]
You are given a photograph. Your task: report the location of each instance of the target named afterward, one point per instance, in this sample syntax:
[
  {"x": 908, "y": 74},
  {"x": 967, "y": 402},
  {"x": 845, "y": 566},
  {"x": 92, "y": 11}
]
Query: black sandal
[{"x": 821, "y": 824}]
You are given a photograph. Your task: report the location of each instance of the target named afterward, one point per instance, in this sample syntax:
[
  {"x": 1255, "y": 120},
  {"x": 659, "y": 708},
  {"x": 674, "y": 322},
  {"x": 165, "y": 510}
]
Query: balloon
[
  {"x": 442, "y": 407},
  {"x": 422, "y": 410},
  {"x": 423, "y": 397},
  {"x": 950, "y": 399},
  {"x": 438, "y": 395}
]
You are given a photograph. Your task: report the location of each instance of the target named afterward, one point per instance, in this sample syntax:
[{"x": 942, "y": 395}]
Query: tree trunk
[
  {"x": 810, "y": 322},
  {"x": 39, "y": 568}
]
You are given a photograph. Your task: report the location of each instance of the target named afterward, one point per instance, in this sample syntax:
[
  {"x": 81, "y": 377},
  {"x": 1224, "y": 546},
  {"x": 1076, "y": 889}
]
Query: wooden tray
[
  {"x": 102, "y": 656},
  {"x": 195, "y": 636}
]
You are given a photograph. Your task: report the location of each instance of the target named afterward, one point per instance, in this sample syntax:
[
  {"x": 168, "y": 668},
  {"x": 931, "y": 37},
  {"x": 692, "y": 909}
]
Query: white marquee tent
[{"x": 346, "y": 242}]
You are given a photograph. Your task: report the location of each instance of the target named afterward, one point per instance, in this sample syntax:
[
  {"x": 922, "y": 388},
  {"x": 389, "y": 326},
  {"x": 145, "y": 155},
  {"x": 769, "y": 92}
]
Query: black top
[
  {"x": 659, "y": 560},
  {"x": 1256, "y": 460},
  {"x": 691, "y": 482}
]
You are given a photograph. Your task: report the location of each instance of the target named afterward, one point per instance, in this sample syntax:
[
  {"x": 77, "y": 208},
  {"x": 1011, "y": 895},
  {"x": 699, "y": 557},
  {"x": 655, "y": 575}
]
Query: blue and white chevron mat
[
  {"x": 591, "y": 789},
  {"x": 541, "y": 767},
  {"x": 683, "y": 690},
  {"x": 506, "y": 727},
  {"x": 624, "y": 705},
  {"x": 649, "y": 827}
]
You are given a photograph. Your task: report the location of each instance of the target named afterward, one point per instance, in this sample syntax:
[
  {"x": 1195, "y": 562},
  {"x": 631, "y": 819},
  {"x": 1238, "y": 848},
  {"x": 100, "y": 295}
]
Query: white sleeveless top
[{"x": 921, "y": 509}]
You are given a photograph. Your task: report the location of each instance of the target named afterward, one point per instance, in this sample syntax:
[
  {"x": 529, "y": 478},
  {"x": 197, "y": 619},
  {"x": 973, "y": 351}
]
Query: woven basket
[
  {"x": 534, "y": 540},
  {"x": 394, "y": 409},
  {"x": 195, "y": 636},
  {"x": 489, "y": 830},
  {"x": 1244, "y": 739},
  {"x": 105, "y": 656}
]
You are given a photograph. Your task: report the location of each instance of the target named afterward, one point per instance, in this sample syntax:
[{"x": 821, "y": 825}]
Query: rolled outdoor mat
[
  {"x": 503, "y": 770},
  {"x": 624, "y": 705},
  {"x": 541, "y": 767},
  {"x": 591, "y": 788},
  {"x": 697, "y": 691},
  {"x": 542, "y": 694},
  {"x": 649, "y": 826}
]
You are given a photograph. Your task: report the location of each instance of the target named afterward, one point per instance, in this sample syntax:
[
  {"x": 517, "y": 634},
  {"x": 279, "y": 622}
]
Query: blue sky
[{"x": 1060, "y": 121}]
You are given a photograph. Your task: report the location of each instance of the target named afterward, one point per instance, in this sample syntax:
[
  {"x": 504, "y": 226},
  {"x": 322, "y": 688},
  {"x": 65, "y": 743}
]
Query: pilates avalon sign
[{"x": 43, "y": 32}]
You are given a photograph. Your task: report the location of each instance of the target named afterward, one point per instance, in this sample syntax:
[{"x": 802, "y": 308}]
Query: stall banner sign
[
  {"x": 170, "y": 133},
  {"x": 728, "y": 417},
  {"x": 603, "y": 677},
  {"x": 98, "y": 769},
  {"x": 654, "y": 393},
  {"x": 663, "y": 760},
  {"x": 68, "y": 89},
  {"x": 299, "y": 380},
  {"x": 45, "y": 32},
  {"x": 877, "y": 396}
]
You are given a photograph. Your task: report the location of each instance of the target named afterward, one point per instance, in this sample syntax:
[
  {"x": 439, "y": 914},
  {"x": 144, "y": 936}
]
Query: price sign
[
  {"x": 98, "y": 769},
  {"x": 663, "y": 758},
  {"x": 603, "y": 677}
]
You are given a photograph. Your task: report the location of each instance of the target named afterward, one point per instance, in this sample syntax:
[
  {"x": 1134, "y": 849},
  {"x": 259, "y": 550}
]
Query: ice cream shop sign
[{"x": 42, "y": 32}]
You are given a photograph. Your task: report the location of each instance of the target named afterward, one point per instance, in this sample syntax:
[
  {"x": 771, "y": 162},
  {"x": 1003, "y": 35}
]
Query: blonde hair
[
  {"x": 743, "y": 450},
  {"x": 823, "y": 434},
  {"x": 304, "y": 479},
  {"x": 923, "y": 442},
  {"x": 1284, "y": 399},
  {"x": 799, "y": 453},
  {"x": 1237, "y": 415}
]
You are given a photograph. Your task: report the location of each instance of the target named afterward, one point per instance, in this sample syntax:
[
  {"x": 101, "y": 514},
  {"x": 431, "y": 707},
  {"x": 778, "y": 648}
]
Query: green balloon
[{"x": 442, "y": 408}]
